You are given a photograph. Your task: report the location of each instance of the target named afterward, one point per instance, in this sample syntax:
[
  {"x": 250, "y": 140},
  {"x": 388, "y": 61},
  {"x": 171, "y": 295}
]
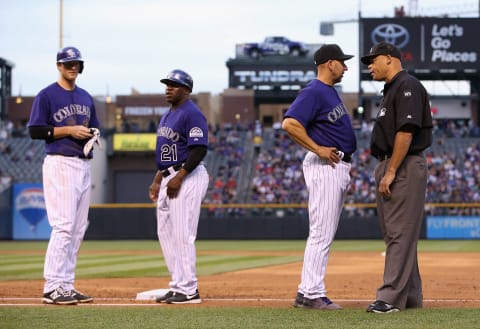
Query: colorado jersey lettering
[
  {"x": 54, "y": 106},
  {"x": 320, "y": 110},
  {"x": 177, "y": 131}
]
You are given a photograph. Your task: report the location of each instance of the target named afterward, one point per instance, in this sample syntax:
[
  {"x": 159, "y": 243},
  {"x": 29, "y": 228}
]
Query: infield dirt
[{"x": 449, "y": 280}]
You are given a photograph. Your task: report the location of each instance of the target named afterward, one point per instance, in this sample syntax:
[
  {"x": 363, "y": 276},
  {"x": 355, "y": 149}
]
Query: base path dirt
[{"x": 449, "y": 280}]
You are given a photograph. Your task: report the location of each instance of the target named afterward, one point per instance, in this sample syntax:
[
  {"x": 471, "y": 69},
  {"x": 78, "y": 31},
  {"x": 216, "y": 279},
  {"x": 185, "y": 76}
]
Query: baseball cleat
[
  {"x": 380, "y": 306},
  {"x": 179, "y": 298},
  {"x": 80, "y": 297},
  {"x": 320, "y": 303},
  {"x": 59, "y": 296},
  {"x": 298, "y": 302},
  {"x": 164, "y": 298}
]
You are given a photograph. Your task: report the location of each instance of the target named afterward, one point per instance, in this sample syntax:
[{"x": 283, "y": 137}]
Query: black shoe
[
  {"x": 320, "y": 303},
  {"x": 380, "y": 306},
  {"x": 179, "y": 298},
  {"x": 298, "y": 300},
  {"x": 81, "y": 298},
  {"x": 59, "y": 296},
  {"x": 164, "y": 298}
]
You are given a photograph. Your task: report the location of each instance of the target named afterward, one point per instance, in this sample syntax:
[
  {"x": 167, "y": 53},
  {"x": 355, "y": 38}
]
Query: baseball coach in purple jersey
[
  {"x": 64, "y": 115},
  {"x": 179, "y": 186},
  {"x": 319, "y": 121}
]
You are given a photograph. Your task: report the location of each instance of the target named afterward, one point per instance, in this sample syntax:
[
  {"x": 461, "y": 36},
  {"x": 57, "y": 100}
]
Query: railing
[
  {"x": 279, "y": 205},
  {"x": 349, "y": 209}
]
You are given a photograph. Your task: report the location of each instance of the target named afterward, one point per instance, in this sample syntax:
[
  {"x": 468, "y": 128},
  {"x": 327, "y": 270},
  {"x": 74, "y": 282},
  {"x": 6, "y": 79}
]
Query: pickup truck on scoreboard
[{"x": 275, "y": 46}]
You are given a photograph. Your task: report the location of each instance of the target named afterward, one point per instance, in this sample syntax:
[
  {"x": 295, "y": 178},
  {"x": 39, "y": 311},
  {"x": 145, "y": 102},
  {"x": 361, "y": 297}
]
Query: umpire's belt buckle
[{"x": 171, "y": 170}]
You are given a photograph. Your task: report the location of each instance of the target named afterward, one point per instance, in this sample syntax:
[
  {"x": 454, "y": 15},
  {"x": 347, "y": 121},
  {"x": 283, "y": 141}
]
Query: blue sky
[{"x": 134, "y": 43}]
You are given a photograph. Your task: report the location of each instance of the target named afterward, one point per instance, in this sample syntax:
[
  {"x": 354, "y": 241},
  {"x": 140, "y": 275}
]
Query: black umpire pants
[{"x": 400, "y": 219}]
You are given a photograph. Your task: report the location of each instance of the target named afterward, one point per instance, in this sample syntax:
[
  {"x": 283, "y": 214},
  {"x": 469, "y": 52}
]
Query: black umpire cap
[{"x": 382, "y": 48}]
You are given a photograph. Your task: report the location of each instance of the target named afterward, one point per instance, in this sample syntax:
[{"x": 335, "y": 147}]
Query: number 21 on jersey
[{"x": 169, "y": 153}]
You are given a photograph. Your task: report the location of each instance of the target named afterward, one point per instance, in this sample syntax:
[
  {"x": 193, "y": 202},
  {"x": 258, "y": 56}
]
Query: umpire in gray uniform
[{"x": 403, "y": 129}]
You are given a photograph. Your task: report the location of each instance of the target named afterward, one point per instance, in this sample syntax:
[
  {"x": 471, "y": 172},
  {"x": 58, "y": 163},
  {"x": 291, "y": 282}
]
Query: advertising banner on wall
[
  {"x": 134, "y": 142},
  {"x": 453, "y": 227},
  {"x": 446, "y": 47},
  {"x": 29, "y": 214}
]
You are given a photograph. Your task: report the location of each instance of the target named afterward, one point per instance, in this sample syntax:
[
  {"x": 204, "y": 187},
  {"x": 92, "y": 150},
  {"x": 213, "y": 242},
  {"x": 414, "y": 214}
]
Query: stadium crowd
[
  {"x": 252, "y": 165},
  {"x": 277, "y": 178}
]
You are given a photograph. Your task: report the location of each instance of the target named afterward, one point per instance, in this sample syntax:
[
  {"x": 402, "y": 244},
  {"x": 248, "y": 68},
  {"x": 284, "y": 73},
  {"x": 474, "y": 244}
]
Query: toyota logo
[{"x": 395, "y": 34}]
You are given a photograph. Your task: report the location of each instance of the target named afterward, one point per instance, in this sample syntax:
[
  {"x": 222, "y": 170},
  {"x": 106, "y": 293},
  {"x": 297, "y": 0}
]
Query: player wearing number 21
[{"x": 179, "y": 186}]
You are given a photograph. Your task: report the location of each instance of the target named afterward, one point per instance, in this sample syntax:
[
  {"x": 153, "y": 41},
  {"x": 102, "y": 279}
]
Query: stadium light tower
[
  {"x": 327, "y": 28},
  {"x": 61, "y": 25},
  {"x": 412, "y": 8}
]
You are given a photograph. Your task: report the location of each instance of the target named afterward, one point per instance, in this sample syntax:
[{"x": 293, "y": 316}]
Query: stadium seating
[
  {"x": 243, "y": 173},
  {"x": 276, "y": 175},
  {"x": 21, "y": 160}
]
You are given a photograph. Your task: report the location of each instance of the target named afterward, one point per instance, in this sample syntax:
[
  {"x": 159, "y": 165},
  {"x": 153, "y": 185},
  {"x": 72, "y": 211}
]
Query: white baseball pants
[
  {"x": 66, "y": 187},
  {"x": 327, "y": 187},
  {"x": 177, "y": 223}
]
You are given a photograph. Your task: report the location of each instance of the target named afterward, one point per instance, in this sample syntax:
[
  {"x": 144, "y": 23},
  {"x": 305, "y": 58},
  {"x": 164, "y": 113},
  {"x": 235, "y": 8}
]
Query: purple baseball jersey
[
  {"x": 55, "y": 106},
  {"x": 185, "y": 126},
  {"x": 320, "y": 110}
]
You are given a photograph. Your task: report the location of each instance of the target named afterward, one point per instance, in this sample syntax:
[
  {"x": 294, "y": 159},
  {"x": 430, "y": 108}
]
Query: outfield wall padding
[
  {"x": 6, "y": 214},
  {"x": 140, "y": 223}
]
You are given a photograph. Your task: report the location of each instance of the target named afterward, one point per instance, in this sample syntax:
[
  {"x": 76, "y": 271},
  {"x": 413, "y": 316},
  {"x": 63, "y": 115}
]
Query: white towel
[{"x": 95, "y": 139}]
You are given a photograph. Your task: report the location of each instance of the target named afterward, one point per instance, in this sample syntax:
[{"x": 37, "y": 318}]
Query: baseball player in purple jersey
[
  {"x": 319, "y": 121},
  {"x": 64, "y": 116},
  {"x": 179, "y": 186}
]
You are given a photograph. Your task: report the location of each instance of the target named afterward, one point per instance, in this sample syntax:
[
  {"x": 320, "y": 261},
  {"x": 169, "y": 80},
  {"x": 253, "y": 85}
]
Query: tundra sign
[
  {"x": 292, "y": 76},
  {"x": 440, "y": 46},
  {"x": 273, "y": 77}
]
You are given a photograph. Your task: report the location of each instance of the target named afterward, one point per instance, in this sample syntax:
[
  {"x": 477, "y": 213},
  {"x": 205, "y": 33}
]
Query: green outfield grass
[
  {"x": 230, "y": 318},
  {"x": 143, "y": 258},
  {"x": 107, "y": 259}
]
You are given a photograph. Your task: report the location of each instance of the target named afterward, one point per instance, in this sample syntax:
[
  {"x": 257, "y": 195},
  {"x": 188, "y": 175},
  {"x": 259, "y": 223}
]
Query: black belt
[
  {"x": 347, "y": 158},
  {"x": 72, "y": 156},
  {"x": 171, "y": 169},
  {"x": 382, "y": 157}
]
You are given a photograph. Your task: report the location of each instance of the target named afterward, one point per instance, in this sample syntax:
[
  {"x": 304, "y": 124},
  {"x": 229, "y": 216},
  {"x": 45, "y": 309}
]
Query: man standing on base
[
  {"x": 64, "y": 116},
  {"x": 320, "y": 122},
  {"x": 402, "y": 130},
  {"x": 179, "y": 186}
]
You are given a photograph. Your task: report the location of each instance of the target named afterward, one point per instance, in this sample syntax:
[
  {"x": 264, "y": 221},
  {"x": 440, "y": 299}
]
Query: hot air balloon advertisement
[{"x": 29, "y": 215}]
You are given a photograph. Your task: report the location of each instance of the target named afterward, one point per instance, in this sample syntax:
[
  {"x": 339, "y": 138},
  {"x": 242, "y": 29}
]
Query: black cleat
[
  {"x": 164, "y": 298},
  {"x": 59, "y": 296},
  {"x": 380, "y": 306},
  {"x": 179, "y": 298},
  {"x": 80, "y": 297},
  {"x": 298, "y": 302}
]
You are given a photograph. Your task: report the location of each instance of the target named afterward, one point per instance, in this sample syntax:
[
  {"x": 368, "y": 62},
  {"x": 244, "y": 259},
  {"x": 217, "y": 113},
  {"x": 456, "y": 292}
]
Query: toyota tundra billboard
[{"x": 445, "y": 48}]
